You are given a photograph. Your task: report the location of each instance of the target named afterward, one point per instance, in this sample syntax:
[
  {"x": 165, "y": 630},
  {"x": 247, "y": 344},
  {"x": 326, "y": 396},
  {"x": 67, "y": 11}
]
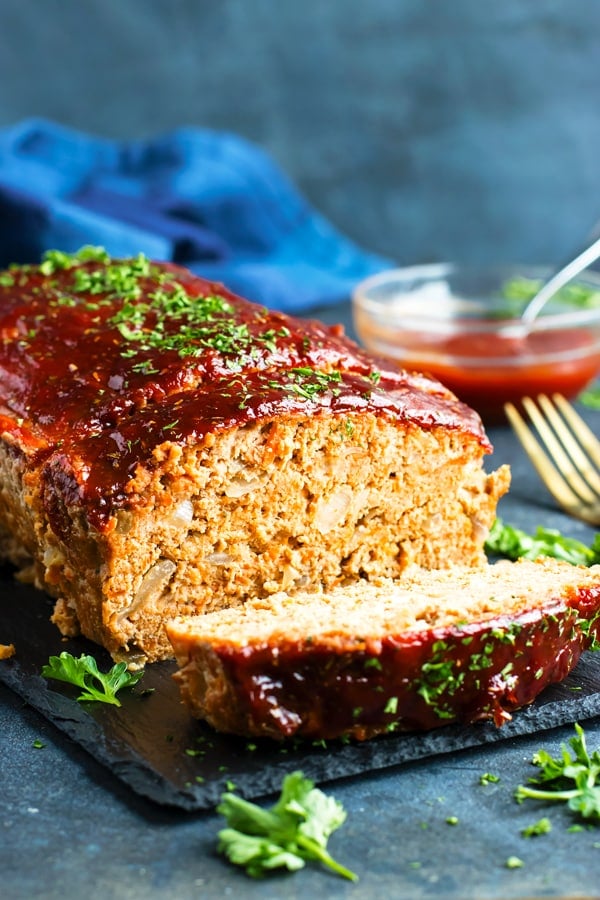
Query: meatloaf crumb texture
[
  {"x": 468, "y": 644},
  {"x": 167, "y": 448}
]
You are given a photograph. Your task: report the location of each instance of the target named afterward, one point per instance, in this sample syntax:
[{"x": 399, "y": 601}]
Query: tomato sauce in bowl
[{"x": 454, "y": 325}]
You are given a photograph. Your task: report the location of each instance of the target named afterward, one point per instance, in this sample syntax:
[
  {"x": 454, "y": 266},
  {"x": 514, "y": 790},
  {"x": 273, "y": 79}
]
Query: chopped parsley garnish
[
  {"x": 307, "y": 383},
  {"x": 293, "y": 831},
  {"x": 156, "y": 311},
  {"x": 489, "y": 778},
  {"x": 542, "y": 826},
  {"x": 55, "y": 260},
  {"x": 84, "y": 673},
  {"x": 439, "y": 678}
]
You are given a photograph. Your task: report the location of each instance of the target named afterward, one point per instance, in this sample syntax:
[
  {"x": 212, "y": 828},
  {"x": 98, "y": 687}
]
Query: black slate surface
[{"x": 154, "y": 746}]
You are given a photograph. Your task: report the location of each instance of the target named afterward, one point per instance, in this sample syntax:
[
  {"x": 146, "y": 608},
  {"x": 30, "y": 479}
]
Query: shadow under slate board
[{"x": 154, "y": 746}]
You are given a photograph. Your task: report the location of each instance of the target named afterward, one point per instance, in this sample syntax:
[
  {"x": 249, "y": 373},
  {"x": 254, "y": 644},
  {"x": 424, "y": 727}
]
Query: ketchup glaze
[{"x": 102, "y": 361}]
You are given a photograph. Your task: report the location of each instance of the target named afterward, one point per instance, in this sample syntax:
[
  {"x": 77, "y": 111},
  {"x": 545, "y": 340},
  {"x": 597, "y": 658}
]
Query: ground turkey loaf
[
  {"x": 435, "y": 647},
  {"x": 168, "y": 448}
]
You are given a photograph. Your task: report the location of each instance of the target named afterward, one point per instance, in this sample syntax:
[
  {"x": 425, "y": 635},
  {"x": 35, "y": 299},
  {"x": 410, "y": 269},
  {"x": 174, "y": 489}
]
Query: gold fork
[{"x": 571, "y": 467}]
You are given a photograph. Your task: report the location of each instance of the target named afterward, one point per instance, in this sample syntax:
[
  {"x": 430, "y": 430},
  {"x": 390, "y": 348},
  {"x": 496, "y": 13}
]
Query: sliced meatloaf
[
  {"x": 167, "y": 448},
  {"x": 437, "y": 647}
]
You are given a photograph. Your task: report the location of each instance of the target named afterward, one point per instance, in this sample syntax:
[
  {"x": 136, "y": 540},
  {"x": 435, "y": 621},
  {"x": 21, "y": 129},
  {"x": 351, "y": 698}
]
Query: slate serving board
[{"x": 155, "y": 747}]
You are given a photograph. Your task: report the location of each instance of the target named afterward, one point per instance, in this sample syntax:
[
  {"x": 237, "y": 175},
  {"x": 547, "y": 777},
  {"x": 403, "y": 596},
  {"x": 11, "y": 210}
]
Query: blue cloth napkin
[{"x": 208, "y": 200}]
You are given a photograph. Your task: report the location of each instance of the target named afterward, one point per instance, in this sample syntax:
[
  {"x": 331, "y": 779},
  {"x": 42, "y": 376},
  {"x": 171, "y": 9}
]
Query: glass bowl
[{"x": 461, "y": 324}]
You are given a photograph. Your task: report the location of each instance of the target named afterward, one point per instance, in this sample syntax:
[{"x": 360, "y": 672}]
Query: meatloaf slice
[
  {"x": 358, "y": 661},
  {"x": 167, "y": 448}
]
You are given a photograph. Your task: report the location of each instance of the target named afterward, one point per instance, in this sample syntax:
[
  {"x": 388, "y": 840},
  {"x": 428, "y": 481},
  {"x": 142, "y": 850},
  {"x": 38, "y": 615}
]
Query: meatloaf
[
  {"x": 169, "y": 448},
  {"x": 437, "y": 647}
]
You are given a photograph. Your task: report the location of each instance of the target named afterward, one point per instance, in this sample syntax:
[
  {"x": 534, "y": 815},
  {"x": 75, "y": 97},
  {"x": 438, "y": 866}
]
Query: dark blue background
[{"x": 425, "y": 129}]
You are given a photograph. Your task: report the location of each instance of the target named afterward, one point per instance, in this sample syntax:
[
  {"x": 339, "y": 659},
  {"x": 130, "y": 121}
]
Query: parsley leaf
[
  {"x": 84, "y": 673},
  {"x": 591, "y": 397},
  {"x": 572, "y": 778},
  {"x": 505, "y": 540},
  {"x": 286, "y": 835}
]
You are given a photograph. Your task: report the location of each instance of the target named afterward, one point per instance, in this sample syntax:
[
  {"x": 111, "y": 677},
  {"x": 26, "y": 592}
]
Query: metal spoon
[{"x": 557, "y": 281}]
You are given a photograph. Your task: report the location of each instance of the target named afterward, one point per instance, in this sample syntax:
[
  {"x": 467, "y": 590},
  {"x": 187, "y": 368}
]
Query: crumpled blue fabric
[{"x": 208, "y": 200}]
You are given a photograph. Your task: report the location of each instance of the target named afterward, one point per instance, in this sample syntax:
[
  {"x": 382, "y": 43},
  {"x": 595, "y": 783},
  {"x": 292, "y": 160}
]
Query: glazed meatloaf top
[{"x": 102, "y": 361}]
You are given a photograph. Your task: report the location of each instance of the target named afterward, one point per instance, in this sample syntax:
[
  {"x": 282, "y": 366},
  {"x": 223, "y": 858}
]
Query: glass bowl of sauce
[{"x": 461, "y": 324}]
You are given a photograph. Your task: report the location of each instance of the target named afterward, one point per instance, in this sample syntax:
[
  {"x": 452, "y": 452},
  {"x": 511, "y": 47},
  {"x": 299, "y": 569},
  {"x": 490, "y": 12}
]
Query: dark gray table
[{"x": 69, "y": 829}]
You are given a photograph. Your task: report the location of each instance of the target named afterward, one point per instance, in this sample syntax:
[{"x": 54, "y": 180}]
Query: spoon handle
[{"x": 562, "y": 277}]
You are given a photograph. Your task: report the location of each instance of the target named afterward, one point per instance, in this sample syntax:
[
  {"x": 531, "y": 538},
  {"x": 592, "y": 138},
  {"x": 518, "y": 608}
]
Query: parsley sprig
[
  {"x": 571, "y": 777},
  {"x": 505, "y": 540},
  {"x": 84, "y": 673},
  {"x": 291, "y": 832}
]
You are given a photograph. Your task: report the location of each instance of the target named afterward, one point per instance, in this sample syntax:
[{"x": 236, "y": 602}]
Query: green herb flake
[
  {"x": 542, "y": 826},
  {"x": 37, "y": 744},
  {"x": 452, "y": 820},
  {"x": 439, "y": 677},
  {"x": 84, "y": 673},
  {"x": 287, "y": 835},
  {"x": 489, "y": 778},
  {"x": 307, "y": 383},
  {"x": 373, "y": 663},
  {"x": 513, "y": 862}
]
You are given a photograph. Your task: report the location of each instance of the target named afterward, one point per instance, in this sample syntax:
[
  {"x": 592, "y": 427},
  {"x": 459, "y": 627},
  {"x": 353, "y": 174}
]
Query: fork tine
[
  {"x": 547, "y": 471},
  {"x": 561, "y": 453},
  {"x": 577, "y": 439},
  {"x": 584, "y": 433}
]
